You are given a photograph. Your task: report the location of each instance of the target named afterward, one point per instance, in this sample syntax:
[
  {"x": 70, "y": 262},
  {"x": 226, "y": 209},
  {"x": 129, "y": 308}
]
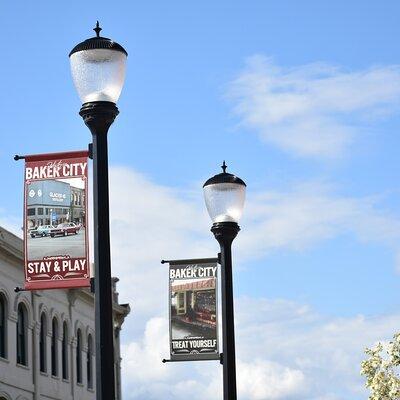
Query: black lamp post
[
  {"x": 98, "y": 71},
  {"x": 224, "y": 195}
]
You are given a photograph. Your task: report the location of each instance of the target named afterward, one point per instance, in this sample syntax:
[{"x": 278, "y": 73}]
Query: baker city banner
[
  {"x": 193, "y": 309},
  {"x": 55, "y": 221}
]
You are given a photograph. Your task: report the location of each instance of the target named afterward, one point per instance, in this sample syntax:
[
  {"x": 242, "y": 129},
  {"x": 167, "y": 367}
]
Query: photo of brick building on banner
[{"x": 52, "y": 202}]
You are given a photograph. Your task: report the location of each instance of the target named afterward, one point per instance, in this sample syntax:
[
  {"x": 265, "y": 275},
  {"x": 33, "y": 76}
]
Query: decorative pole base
[
  {"x": 98, "y": 115},
  {"x": 225, "y": 232}
]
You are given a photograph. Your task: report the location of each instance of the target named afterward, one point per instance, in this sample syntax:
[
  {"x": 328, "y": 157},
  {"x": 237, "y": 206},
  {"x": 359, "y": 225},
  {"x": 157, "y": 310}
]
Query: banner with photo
[
  {"x": 193, "y": 311},
  {"x": 55, "y": 221}
]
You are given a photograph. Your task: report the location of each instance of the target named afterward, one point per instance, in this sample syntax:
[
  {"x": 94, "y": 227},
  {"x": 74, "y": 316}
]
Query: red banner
[{"x": 55, "y": 221}]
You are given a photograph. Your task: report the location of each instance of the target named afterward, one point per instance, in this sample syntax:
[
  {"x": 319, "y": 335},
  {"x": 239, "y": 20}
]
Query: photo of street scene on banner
[
  {"x": 56, "y": 218},
  {"x": 193, "y": 309}
]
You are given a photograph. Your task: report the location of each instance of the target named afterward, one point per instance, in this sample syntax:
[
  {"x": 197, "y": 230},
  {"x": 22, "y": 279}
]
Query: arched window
[
  {"x": 43, "y": 343},
  {"x": 54, "y": 347},
  {"x": 3, "y": 327},
  {"x": 79, "y": 356},
  {"x": 22, "y": 333},
  {"x": 89, "y": 362},
  {"x": 65, "y": 352}
]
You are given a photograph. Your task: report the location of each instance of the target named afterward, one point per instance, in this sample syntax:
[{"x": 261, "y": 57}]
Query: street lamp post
[
  {"x": 224, "y": 195},
  {"x": 98, "y": 72}
]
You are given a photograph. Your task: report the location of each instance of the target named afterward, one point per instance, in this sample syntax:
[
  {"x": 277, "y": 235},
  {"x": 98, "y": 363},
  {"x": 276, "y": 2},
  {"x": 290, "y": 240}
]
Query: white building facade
[{"x": 47, "y": 339}]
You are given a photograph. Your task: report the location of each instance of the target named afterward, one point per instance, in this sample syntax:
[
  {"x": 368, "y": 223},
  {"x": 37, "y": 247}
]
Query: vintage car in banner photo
[
  {"x": 41, "y": 231},
  {"x": 65, "y": 229}
]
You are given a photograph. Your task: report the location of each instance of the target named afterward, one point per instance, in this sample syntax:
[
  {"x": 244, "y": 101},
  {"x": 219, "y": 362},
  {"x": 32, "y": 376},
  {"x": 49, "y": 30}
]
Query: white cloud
[
  {"x": 143, "y": 358},
  {"x": 326, "y": 350},
  {"x": 311, "y": 213},
  {"x": 257, "y": 380},
  {"x": 263, "y": 379},
  {"x": 314, "y": 110}
]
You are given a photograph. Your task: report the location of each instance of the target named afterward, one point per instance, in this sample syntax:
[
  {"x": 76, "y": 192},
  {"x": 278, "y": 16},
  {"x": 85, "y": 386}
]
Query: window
[
  {"x": 40, "y": 211},
  {"x": 89, "y": 363},
  {"x": 47, "y": 211},
  {"x": 78, "y": 356},
  {"x": 54, "y": 348},
  {"x": 31, "y": 211},
  {"x": 43, "y": 343},
  {"x": 3, "y": 326},
  {"x": 22, "y": 335},
  {"x": 65, "y": 352}
]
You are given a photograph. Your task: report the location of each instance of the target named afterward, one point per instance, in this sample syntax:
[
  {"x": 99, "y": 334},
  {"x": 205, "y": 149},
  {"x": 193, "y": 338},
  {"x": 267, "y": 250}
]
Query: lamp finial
[
  {"x": 97, "y": 29},
  {"x": 224, "y": 166}
]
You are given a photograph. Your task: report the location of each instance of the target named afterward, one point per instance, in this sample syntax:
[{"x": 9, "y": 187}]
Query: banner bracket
[
  {"x": 17, "y": 157},
  {"x": 20, "y": 289},
  {"x": 188, "y": 359},
  {"x": 90, "y": 151},
  {"x": 92, "y": 285},
  {"x": 191, "y": 260}
]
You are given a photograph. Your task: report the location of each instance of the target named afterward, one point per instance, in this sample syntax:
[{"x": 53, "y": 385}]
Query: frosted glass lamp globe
[
  {"x": 224, "y": 195},
  {"x": 98, "y": 69}
]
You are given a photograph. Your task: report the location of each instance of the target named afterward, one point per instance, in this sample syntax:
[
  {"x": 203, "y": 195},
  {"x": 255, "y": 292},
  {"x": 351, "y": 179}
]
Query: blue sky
[{"x": 302, "y": 100}]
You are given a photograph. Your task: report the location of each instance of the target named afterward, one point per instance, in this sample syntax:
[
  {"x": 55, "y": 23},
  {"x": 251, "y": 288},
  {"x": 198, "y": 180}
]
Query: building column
[{"x": 72, "y": 367}]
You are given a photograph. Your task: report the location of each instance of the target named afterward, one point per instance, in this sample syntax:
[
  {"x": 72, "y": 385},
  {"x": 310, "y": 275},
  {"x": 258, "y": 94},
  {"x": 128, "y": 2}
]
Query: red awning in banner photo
[
  {"x": 55, "y": 221},
  {"x": 194, "y": 285}
]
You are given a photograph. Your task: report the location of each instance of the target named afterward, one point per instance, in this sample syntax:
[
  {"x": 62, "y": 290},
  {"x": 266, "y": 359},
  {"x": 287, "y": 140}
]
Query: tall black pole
[
  {"x": 225, "y": 232},
  {"x": 99, "y": 116}
]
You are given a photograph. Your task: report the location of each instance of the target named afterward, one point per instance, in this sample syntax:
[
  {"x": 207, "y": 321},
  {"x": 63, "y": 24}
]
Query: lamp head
[
  {"x": 224, "y": 195},
  {"x": 98, "y": 68}
]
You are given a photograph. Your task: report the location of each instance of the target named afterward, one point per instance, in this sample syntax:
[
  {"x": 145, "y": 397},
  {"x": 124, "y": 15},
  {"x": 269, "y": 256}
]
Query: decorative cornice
[{"x": 11, "y": 244}]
